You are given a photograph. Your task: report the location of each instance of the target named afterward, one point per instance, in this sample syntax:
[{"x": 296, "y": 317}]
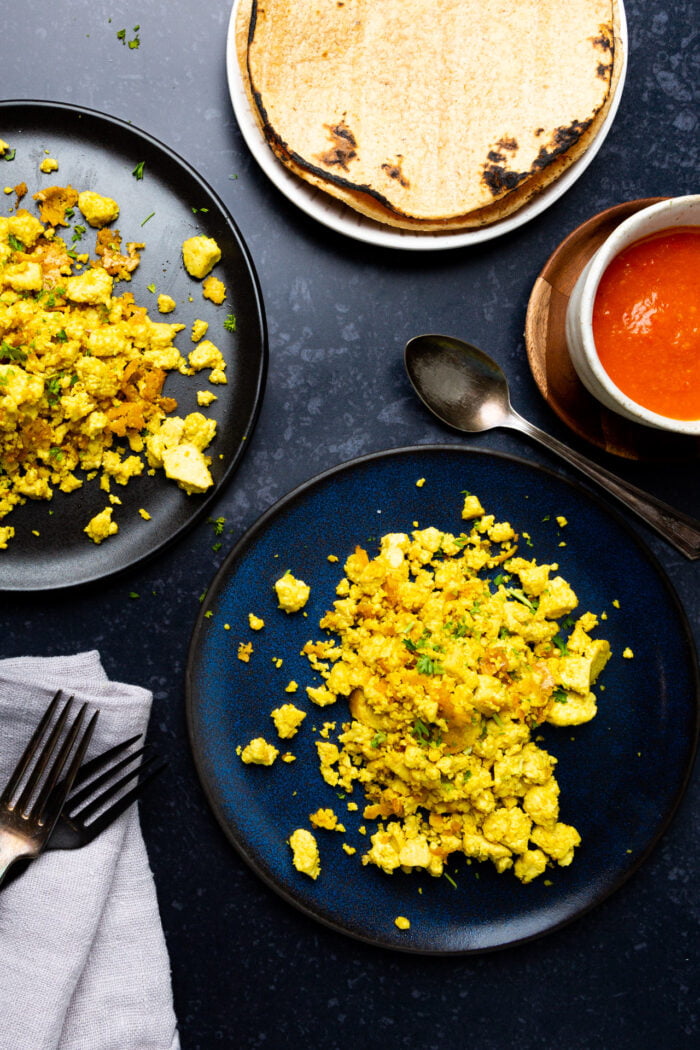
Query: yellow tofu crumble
[
  {"x": 82, "y": 369},
  {"x": 447, "y": 671},
  {"x": 446, "y": 652},
  {"x": 292, "y": 594},
  {"x": 287, "y": 719},
  {"x": 305, "y": 855},
  {"x": 259, "y": 752}
]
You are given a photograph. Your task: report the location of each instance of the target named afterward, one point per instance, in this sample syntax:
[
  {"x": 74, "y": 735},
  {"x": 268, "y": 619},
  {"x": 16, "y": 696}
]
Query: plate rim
[
  {"x": 48, "y": 107},
  {"x": 340, "y": 218},
  {"x": 258, "y": 527}
]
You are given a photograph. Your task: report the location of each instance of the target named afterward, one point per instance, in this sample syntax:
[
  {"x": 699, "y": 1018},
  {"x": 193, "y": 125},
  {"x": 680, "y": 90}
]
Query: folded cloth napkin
[{"x": 84, "y": 960}]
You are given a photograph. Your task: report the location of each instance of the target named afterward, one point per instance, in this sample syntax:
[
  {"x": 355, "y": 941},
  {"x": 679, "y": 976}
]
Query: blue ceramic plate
[{"x": 621, "y": 775}]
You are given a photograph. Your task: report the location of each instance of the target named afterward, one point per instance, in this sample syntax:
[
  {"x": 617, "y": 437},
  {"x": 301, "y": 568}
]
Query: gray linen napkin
[{"x": 84, "y": 960}]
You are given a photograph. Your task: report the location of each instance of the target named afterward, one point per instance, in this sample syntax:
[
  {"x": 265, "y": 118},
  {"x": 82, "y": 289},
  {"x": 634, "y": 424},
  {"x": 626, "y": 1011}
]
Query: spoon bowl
[{"x": 467, "y": 390}]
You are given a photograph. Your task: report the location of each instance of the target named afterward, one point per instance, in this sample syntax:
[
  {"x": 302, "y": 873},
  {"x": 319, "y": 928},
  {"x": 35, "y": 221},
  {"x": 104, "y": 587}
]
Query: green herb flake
[
  {"x": 148, "y": 218},
  {"x": 428, "y": 665},
  {"x": 420, "y": 731},
  {"x": 230, "y": 323},
  {"x": 560, "y": 644},
  {"x": 138, "y": 170},
  {"x": 11, "y": 353},
  {"x": 9, "y": 154}
]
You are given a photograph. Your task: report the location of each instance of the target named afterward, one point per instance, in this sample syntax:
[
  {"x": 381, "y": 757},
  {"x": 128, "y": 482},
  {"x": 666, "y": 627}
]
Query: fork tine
[
  {"x": 29, "y": 751},
  {"x": 77, "y": 798},
  {"x": 115, "y": 788},
  {"x": 88, "y": 769},
  {"x": 117, "y": 808},
  {"x": 50, "y": 802},
  {"x": 45, "y": 756}
]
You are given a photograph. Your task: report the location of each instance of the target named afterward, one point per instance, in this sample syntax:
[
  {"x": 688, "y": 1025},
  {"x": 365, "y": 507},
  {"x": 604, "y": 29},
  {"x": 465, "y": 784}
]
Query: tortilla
[{"x": 436, "y": 121}]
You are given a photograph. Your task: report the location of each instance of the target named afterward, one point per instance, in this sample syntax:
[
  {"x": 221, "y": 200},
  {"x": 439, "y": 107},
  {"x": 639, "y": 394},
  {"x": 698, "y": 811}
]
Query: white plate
[{"x": 338, "y": 216}]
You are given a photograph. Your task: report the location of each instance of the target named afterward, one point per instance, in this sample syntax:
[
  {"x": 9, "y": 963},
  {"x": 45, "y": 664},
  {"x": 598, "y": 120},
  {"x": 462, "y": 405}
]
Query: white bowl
[{"x": 665, "y": 215}]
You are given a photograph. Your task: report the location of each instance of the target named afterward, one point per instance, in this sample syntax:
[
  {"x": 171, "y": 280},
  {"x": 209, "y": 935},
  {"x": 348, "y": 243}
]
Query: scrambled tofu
[
  {"x": 449, "y": 651},
  {"x": 97, "y": 210},
  {"x": 258, "y": 752},
  {"x": 326, "y": 818},
  {"x": 214, "y": 290},
  {"x": 292, "y": 594},
  {"x": 305, "y": 855},
  {"x": 200, "y": 254},
  {"x": 207, "y": 355},
  {"x": 287, "y": 719},
  {"x": 101, "y": 526},
  {"x": 82, "y": 369}
]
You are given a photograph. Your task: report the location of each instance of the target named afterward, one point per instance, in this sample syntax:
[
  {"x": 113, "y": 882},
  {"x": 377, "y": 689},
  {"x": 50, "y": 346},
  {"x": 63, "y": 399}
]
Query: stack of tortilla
[{"x": 429, "y": 114}]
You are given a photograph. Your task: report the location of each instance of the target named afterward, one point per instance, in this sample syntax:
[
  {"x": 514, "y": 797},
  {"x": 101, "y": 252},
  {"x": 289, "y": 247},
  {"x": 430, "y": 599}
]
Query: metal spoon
[{"x": 466, "y": 389}]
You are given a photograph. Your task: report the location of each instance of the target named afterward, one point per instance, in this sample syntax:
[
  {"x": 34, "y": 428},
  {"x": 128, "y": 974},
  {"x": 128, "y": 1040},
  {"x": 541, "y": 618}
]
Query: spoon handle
[{"x": 677, "y": 528}]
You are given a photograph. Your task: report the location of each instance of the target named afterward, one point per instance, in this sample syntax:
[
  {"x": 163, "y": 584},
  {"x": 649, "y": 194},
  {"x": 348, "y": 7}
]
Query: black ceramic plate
[
  {"x": 170, "y": 203},
  {"x": 621, "y": 775}
]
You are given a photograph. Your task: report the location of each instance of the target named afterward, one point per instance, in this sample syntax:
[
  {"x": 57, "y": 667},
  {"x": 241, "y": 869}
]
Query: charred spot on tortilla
[
  {"x": 503, "y": 146},
  {"x": 606, "y": 39},
  {"x": 500, "y": 179},
  {"x": 343, "y": 148},
  {"x": 562, "y": 140},
  {"x": 393, "y": 170}
]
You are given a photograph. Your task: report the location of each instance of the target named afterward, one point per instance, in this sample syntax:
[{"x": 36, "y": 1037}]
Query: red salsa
[{"x": 646, "y": 322}]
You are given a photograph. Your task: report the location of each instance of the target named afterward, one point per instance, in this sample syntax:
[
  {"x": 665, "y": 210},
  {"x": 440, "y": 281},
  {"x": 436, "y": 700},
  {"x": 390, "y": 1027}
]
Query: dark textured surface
[{"x": 248, "y": 969}]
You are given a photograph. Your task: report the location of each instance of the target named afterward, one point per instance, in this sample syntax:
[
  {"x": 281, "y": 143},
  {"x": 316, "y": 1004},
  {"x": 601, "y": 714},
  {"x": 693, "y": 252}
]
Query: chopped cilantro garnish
[
  {"x": 519, "y": 595},
  {"x": 138, "y": 170},
  {"x": 420, "y": 730},
  {"x": 560, "y": 644},
  {"x": 426, "y": 665},
  {"x": 11, "y": 353},
  {"x": 230, "y": 323}
]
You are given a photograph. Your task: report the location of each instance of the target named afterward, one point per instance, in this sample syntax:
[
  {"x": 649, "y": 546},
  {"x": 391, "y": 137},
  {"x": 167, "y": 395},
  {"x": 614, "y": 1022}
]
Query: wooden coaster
[{"x": 548, "y": 354}]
